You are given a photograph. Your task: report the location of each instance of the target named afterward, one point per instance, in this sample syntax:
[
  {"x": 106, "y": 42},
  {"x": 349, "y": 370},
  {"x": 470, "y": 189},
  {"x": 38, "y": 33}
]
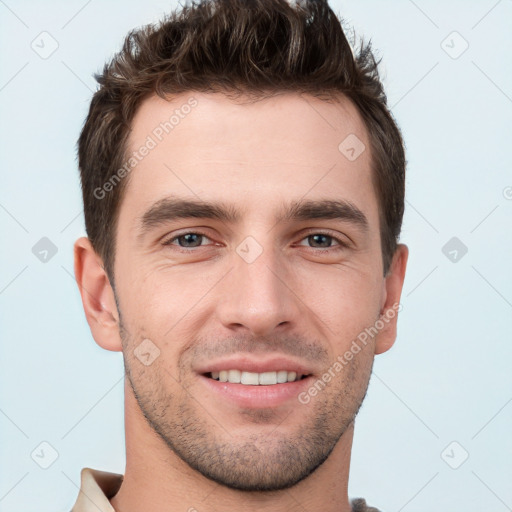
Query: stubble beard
[{"x": 269, "y": 458}]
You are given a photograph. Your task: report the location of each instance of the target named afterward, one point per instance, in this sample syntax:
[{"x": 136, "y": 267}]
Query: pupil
[
  {"x": 317, "y": 237},
  {"x": 190, "y": 238}
]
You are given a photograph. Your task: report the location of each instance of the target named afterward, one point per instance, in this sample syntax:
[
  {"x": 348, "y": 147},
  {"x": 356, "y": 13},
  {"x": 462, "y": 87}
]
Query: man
[{"x": 243, "y": 186}]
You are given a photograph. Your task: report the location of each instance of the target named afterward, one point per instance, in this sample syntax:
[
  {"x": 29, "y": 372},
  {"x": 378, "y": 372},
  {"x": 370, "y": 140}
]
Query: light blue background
[{"x": 448, "y": 377}]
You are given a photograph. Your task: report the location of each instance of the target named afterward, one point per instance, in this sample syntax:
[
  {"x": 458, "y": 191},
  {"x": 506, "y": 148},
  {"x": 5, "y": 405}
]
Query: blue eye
[
  {"x": 321, "y": 239},
  {"x": 190, "y": 240},
  {"x": 325, "y": 241}
]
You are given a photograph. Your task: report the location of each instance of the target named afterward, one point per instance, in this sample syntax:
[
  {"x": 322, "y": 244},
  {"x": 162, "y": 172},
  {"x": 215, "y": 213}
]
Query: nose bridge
[{"x": 257, "y": 295}]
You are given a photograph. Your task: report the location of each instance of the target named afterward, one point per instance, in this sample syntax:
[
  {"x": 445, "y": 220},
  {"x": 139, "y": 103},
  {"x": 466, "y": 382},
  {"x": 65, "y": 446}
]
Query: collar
[{"x": 96, "y": 488}]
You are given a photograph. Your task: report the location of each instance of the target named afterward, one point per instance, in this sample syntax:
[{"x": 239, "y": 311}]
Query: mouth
[
  {"x": 247, "y": 382},
  {"x": 269, "y": 378}
]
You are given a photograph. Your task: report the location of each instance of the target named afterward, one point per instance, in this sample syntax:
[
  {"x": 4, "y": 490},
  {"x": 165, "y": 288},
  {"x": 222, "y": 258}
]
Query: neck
[{"x": 157, "y": 479}]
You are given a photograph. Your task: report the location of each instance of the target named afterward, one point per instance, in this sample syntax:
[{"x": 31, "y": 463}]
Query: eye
[
  {"x": 324, "y": 241},
  {"x": 194, "y": 239},
  {"x": 187, "y": 240}
]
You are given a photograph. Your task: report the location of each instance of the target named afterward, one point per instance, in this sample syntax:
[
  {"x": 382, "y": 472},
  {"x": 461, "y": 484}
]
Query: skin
[{"x": 185, "y": 446}]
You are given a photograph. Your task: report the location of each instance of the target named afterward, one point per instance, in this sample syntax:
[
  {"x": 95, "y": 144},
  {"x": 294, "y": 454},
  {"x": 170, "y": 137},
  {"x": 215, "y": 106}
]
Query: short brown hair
[{"x": 256, "y": 48}]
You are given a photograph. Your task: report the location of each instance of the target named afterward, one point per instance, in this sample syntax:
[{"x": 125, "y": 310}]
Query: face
[{"x": 248, "y": 248}]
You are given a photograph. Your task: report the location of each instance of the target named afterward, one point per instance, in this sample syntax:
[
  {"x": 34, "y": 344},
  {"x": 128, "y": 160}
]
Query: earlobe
[
  {"x": 391, "y": 299},
  {"x": 97, "y": 296}
]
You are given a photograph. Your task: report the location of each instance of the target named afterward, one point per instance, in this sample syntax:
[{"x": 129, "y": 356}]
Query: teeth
[
  {"x": 255, "y": 379},
  {"x": 234, "y": 376},
  {"x": 291, "y": 376},
  {"x": 282, "y": 376},
  {"x": 268, "y": 378},
  {"x": 249, "y": 378}
]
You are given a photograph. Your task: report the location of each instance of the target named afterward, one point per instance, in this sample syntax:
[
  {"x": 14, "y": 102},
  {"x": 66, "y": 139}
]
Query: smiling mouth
[{"x": 256, "y": 379}]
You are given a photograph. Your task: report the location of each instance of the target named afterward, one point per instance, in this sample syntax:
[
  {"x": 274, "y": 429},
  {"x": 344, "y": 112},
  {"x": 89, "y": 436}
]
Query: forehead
[
  {"x": 216, "y": 120},
  {"x": 206, "y": 145}
]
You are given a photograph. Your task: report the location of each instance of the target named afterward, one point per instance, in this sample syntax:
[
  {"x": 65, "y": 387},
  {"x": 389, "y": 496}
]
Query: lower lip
[{"x": 259, "y": 396}]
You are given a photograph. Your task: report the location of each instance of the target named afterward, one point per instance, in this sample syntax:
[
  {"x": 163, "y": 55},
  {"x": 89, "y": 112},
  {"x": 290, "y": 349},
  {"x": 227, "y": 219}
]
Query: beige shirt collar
[{"x": 96, "y": 488}]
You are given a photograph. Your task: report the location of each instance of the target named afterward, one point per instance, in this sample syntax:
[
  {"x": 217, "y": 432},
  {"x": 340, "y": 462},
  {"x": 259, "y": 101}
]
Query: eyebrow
[{"x": 169, "y": 209}]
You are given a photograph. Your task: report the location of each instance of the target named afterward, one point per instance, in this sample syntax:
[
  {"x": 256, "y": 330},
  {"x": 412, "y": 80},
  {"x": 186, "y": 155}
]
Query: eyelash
[{"x": 341, "y": 244}]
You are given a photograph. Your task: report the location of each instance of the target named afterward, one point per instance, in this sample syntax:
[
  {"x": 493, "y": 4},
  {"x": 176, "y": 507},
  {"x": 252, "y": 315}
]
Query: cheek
[
  {"x": 345, "y": 299},
  {"x": 158, "y": 298},
  {"x": 166, "y": 306}
]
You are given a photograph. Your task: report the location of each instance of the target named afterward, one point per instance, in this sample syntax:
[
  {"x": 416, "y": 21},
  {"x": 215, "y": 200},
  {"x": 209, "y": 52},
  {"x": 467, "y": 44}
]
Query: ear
[
  {"x": 97, "y": 296},
  {"x": 392, "y": 289}
]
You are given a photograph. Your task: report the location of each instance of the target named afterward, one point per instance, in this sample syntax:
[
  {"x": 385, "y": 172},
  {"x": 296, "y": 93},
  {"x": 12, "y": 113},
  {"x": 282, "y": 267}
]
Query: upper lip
[{"x": 250, "y": 364}]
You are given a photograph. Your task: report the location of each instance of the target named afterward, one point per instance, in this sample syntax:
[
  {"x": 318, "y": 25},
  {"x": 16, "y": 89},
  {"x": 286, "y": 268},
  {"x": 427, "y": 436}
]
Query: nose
[{"x": 257, "y": 296}]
